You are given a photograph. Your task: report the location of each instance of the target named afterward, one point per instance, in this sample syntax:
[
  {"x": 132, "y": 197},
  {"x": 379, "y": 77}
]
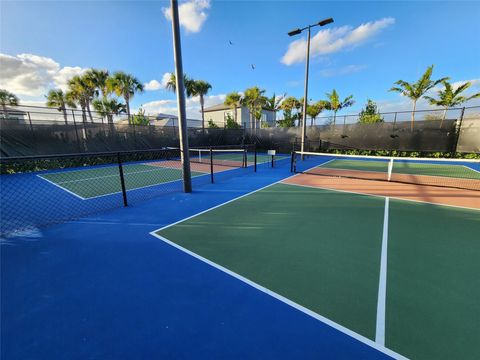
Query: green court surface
[
  {"x": 404, "y": 167},
  {"x": 94, "y": 182},
  {"x": 323, "y": 250}
]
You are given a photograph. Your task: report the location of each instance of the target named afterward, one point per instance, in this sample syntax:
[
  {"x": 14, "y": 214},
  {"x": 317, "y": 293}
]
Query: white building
[{"x": 219, "y": 114}]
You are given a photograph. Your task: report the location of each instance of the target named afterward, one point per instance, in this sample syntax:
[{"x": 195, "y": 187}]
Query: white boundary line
[
  {"x": 61, "y": 187},
  {"x": 382, "y": 283},
  {"x": 374, "y": 157},
  {"x": 279, "y": 297},
  {"x": 381, "y": 196}
]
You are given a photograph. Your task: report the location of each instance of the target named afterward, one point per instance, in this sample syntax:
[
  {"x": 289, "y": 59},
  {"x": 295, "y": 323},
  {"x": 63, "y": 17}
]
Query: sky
[{"x": 369, "y": 46}]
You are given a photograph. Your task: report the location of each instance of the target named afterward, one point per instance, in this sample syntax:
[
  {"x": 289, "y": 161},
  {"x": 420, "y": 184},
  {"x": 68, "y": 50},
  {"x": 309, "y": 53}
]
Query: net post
[
  {"x": 211, "y": 164},
  {"x": 255, "y": 157},
  {"x": 294, "y": 161},
  {"x": 390, "y": 168},
  {"x": 122, "y": 180},
  {"x": 244, "y": 160},
  {"x": 292, "y": 155}
]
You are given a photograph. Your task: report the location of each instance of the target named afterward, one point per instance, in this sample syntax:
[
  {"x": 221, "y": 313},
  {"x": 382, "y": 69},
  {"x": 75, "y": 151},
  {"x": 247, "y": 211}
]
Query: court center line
[{"x": 382, "y": 285}]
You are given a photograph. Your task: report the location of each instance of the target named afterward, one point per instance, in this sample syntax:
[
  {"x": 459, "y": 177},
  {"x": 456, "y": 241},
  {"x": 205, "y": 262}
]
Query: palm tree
[
  {"x": 254, "y": 100},
  {"x": 56, "y": 98},
  {"x": 289, "y": 104},
  {"x": 200, "y": 88},
  {"x": 315, "y": 109},
  {"x": 187, "y": 83},
  {"x": 418, "y": 89},
  {"x": 7, "y": 98},
  {"x": 124, "y": 85},
  {"x": 82, "y": 90},
  {"x": 450, "y": 97},
  {"x": 273, "y": 104},
  {"x": 334, "y": 104},
  {"x": 99, "y": 79},
  {"x": 109, "y": 107},
  {"x": 76, "y": 92},
  {"x": 233, "y": 100}
]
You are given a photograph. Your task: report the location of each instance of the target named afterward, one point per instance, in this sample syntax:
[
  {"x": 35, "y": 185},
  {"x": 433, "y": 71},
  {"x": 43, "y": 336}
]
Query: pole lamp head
[
  {"x": 325, "y": 22},
  {"x": 294, "y": 32}
]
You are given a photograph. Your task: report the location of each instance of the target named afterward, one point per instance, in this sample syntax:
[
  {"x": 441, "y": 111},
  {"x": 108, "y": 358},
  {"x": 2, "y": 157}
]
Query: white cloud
[
  {"x": 349, "y": 69},
  {"x": 61, "y": 78},
  {"x": 165, "y": 79},
  {"x": 33, "y": 75},
  {"x": 332, "y": 40},
  {"x": 152, "y": 85},
  {"x": 192, "y": 14}
]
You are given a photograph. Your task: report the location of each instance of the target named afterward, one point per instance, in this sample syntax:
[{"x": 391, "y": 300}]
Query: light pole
[
  {"x": 305, "y": 95},
  {"x": 182, "y": 117}
]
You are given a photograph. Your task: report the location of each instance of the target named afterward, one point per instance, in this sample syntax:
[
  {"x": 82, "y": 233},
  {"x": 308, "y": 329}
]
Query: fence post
[
  {"x": 457, "y": 134},
  {"x": 76, "y": 131},
  {"x": 31, "y": 126},
  {"x": 211, "y": 164},
  {"x": 122, "y": 180}
]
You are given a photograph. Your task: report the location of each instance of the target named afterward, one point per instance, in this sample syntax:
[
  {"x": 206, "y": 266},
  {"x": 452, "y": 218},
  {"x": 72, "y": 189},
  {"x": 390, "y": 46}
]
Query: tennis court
[{"x": 324, "y": 263}]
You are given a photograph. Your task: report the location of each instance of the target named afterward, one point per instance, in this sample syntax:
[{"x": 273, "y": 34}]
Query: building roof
[
  {"x": 222, "y": 106},
  {"x": 217, "y": 107}
]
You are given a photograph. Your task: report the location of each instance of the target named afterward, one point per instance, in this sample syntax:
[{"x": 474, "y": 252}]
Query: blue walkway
[{"x": 103, "y": 288}]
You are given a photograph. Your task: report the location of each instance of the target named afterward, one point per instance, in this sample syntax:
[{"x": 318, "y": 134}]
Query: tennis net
[
  {"x": 221, "y": 157},
  {"x": 455, "y": 173}
]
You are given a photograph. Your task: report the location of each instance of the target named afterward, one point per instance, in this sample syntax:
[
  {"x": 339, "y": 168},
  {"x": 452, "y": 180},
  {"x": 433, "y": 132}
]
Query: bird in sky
[
  {"x": 253, "y": 66},
  {"x": 231, "y": 43}
]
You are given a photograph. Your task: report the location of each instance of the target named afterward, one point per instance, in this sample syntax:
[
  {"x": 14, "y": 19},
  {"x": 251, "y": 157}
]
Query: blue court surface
[{"x": 102, "y": 287}]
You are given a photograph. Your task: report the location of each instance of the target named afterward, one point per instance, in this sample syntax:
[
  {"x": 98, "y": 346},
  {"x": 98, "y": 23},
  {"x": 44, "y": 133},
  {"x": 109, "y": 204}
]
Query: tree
[
  {"x": 273, "y": 103},
  {"x": 109, "y": 107},
  {"x": 335, "y": 104},
  {"x": 288, "y": 105},
  {"x": 233, "y": 100},
  {"x": 7, "y": 98},
  {"x": 124, "y": 85},
  {"x": 140, "y": 118},
  {"x": 254, "y": 100},
  {"x": 56, "y": 98},
  {"x": 76, "y": 92},
  {"x": 451, "y": 97},
  {"x": 370, "y": 114},
  {"x": 315, "y": 109},
  {"x": 230, "y": 123},
  {"x": 99, "y": 78},
  {"x": 201, "y": 88},
  {"x": 211, "y": 124},
  {"x": 187, "y": 83},
  {"x": 416, "y": 90}
]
